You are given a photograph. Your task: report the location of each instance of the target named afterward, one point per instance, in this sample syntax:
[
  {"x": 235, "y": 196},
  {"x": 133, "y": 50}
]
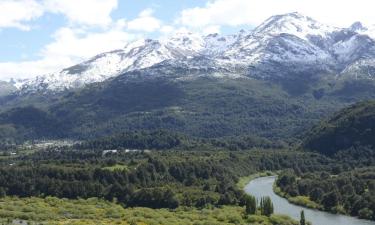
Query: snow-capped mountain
[
  {"x": 6, "y": 88},
  {"x": 294, "y": 24},
  {"x": 282, "y": 38},
  {"x": 358, "y": 27},
  {"x": 283, "y": 44},
  {"x": 137, "y": 55}
]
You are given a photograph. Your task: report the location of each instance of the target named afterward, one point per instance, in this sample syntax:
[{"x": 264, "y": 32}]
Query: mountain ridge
[
  {"x": 273, "y": 86},
  {"x": 352, "y": 127},
  {"x": 287, "y": 38}
]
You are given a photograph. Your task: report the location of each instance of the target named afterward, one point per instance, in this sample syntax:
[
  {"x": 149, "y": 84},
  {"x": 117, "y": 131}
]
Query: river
[{"x": 263, "y": 187}]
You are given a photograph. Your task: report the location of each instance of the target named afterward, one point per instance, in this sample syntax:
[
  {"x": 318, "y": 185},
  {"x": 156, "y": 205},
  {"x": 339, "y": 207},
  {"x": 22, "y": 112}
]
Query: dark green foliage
[
  {"x": 154, "y": 198},
  {"x": 202, "y": 107},
  {"x": 365, "y": 213},
  {"x": 330, "y": 200},
  {"x": 353, "y": 127},
  {"x": 138, "y": 140},
  {"x": 8, "y": 135},
  {"x": 150, "y": 179},
  {"x": 32, "y": 123},
  {"x": 250, "y": 204},
  {"x": 302, "y": 220},
  {"x": 351, "y": 192},
  {"x": 163, "y": 139},
  {"x": 266, "y": 206}
]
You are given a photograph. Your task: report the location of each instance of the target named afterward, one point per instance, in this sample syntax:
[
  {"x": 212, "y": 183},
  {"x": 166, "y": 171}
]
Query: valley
[
  {"x": 170, "y": 130},
  {"x": 264, "y": 186}
]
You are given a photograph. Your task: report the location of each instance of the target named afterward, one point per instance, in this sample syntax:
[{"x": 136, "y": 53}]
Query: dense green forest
[
  {"x": 340, "y": 191},
  {"x": 349, "y": 185},
  {"x": 163, "y": 140},
  {"x": 353, "y": 127},
  {"x": 168, "y": 179},
  {"x": 202, "y": 108},
  {"x": 162, "y": 169},
  {"x": 188, "y": 152},
  {"x": 173, "y": 178}
]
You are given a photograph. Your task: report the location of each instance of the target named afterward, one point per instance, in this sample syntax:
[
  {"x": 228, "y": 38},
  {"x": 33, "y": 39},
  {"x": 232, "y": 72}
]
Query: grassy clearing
[
  {"x": 52, "y": 210},
  {"x": 304, "y": 201},
  {"x": 116, "y": 167}
]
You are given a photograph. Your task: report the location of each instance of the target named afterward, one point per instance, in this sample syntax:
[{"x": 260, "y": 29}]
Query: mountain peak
[
  {"x": 293, "y": 23},
  {"x": 357, "y": 26},
  {"x": 285, "y": 38},
  {"x": 296, "y": 15}
]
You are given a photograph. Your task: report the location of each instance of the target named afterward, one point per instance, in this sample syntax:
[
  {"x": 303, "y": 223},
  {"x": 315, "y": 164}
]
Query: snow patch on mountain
[
  {"x": 294, "y": 24},
  {"x": 293, "y": 42},
  {"x": 359, "y": 28}
]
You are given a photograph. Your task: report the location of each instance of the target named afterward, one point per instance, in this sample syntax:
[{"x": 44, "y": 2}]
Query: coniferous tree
[
  {"x": 266, "y": 206},
  {"x": 251, "y": 205},
  {"x": 302, "y": 220}
]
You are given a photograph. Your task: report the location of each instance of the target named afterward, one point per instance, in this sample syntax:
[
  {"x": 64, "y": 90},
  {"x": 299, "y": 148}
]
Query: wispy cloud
[
  {"x": 252, "y": 12},
  {"x": 83, "y": 12},
  {"x": 17, "y": 14},
  {"x": 145, "y": 22},
  {"x": 90, "y": 28}
]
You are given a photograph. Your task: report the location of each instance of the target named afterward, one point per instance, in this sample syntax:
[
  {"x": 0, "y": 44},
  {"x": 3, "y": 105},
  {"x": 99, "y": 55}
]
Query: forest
[
  {"x": 168, "y": 179},
  {"x": 348, "y": 192},
  {"x": 131, "y": 178},
  {"x": 200, "y": 108},
  {"x": 166, "y": 170},
  {"x": 348, "y": 186}
]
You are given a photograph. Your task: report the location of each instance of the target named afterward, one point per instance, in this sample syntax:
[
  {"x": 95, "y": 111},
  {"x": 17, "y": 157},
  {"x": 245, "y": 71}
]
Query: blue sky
[
  {"x": 18, "y": 45},
  {"x": 43, "y": 36}
]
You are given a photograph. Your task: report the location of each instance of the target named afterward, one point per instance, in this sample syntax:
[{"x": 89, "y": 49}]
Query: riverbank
[
  {"x": 297, "y": 200},
  {"x": 264, "y": 187},
  {"x": 243, "y": 181},
  {"x": 345, "y": 192}
]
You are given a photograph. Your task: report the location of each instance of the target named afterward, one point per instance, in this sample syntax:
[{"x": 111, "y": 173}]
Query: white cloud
[
  {"x": 27, "y": 69},
  {"x": 16, "y": 13},
  {"x": 78, "y": 44},
  {"x": 145, "y": 22},
  {"x": 76, "y": 41},
  {"x": 211, "y": 29},
  {"x": 70, "y": 46},
  {"x": 91, "y": 30},
  {"x": 84, "y": 12},
  {"x": 252, "y": 12}
]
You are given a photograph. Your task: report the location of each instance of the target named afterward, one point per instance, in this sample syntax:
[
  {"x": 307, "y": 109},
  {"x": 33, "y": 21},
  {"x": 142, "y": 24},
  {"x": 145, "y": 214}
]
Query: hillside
[
  {"x": 274, "y": 82},
  {"x": 203, "y": 107},
  {"x": 283, "y": 46},
  {"x": 351, "y": 127},
  {"x": 6, "y": 88}
]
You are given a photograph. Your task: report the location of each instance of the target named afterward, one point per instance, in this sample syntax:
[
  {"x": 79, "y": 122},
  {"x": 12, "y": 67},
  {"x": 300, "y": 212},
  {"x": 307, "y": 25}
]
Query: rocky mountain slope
[
  {"x": 282, "y": 46},
  {"x": 274, "y": 82}
]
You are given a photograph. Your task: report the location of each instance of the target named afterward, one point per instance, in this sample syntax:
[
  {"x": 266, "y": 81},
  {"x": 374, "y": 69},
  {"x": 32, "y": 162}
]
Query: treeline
[
  {"x": 156, "y": 179},
  {"x": 353, "y": 127},
  {"x": 147, "y": 185},
  {"x": 138, "y": 140},
  {"x": 204, "y": 108},
  {"x": 162, "y": 140},
  {"x": 351, "y": 192}
]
